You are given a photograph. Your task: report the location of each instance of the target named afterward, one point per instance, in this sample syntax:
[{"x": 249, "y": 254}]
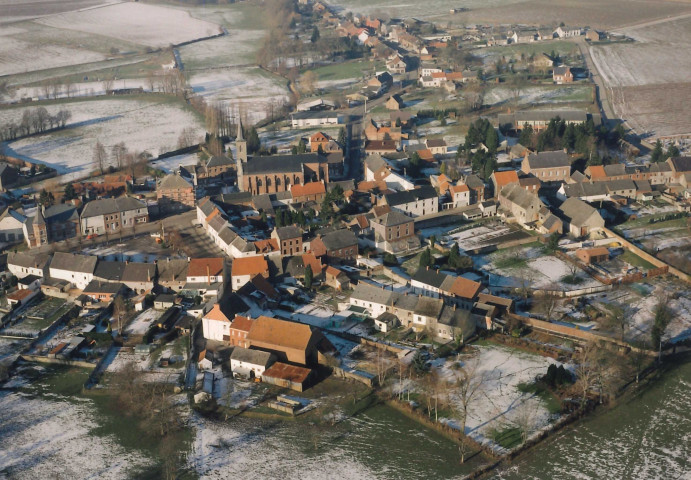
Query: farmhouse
[
  {"x": 76, "y": 269},
  {"x": 12, "y": 226},
  {"x": 24, "y": 264},
  {"x": 552, "y": 166},
  {"x": 289, "y": 341},
  {"x": 394, "y": 232},
  {"x": 522, "y": 205},
  {"x": 103, "y": 291},
  {"x": 289, "y": 239},
  {"x": 175, "y": 193},
  {"x": 308, "y": 119},
  {"x": 216, "y": 325},
  {"x": 113, "y": 215},
  {"x": 52, "y": 224},
  {"x": 562, "y": 75},
  {"x": 245, "y": 268},
  {"x": 250, "y": 363},
  {"x": 582, "y": 219}
]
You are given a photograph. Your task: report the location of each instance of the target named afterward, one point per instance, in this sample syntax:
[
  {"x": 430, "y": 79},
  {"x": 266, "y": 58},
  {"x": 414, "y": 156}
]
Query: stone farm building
[{"x": 175, "y": 193}]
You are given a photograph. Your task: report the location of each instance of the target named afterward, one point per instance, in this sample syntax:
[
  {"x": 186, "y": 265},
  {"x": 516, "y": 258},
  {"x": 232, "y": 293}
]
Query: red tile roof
[
  {"x": 249, "y": 266},
  {"x": 312, "y": 188},
  {"x": 198, "y": 267},
  {"x": 216, "y": 314},
  {"x": 242, "y": 323}
]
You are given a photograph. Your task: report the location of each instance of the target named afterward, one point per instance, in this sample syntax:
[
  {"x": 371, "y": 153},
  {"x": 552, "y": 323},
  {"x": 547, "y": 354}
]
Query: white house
[
  {"x": 76, "y": 269},
  {"x": 460, "y": 195},
  {"x": 426, "y": 312},
  {"x": 372, "y": 298},
  {"x": 414, "y": 203},
  {"x": 250, "y": 363},
  {"x": 245, "y": 269},
  {"x": 394, "y": 181},
  {"x": 215, "y": 325},
  {"x": 24, "y": 264},
  {"x": 315, "y": 119},
  {"x": 12, "y": 226}
]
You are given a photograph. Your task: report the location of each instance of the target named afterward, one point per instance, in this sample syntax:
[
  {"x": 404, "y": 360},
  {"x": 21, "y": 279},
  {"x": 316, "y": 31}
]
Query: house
[
  {"x": 216, "y": 325},
  {"x": 205, "y": 270},
  {"x": 21, "y": 296},
  {"x": 175, "y": 193},
  {"x": 22, "y": 264},
  {"x": 289, "y": 341},
  {"x": 593, "y": 255},
  {"x": 172, "y": 274},
  {"x": 315, "y": 119},
  {"x": 52, "y": 224},
  {"x": 104, "y": 292},
  {"x": 502, "y": 179},
  {"x": 297, "y": 267},
  {"x": 562, "y": 75},
  {"x": 522, "y": 205},
  {"x": 386, "y": 322},
  {"x": 414, "y": 203},
  {"x": 566, "y": 32},
  {"x": 551, "y": 166},
  {"x": 164, "y": 301},
  {"x": 336, "y": 278},
  {"x": 426, "y": 313},
  {"x": 396, "y": 65},
  {"x": 548, "y": 223},
  {"x": 379, "y": 147},
  {"x": 245, "y": 268},
  {"x": 339, "y": 246},
  {"x": 394, "y": 102},
  {"x": 288, "y": 376},
  {"x": 12, "y": 226},
  {"x": 460, "y": 195},
  {"x": 582, "y": 219},
  {"x": 76, "y": 269},
  {"x": 380, "y": 83},
  {"x": 140, "y": 277},
  {"x": 218, "y": 167},
  {"x": 250, "y": 363},
  {"x": 8, "y": 176},
  {"x": 455, "y": 324},
  {"x": 437, "y": 146},
  {"x": 539, "y": 119},
  {"x": 315, "y": 105},
  {"x": 289, "y": 239},
  {"x": 476, "y": 187},
  {"x": 239, "y": 329},
  {"x": 594, "y": 36},
  {"x": 309, "y": 192},
  {"x": 317, "y": 140},
  {"x": 394, "y": 232},
  {"x": 32, "y": 282},
  {"x": 113, "y": 215},
  {"x": 372, "y": 298},
  {"x": 543, "y": 61},
  {"x": 457, "y": 290},
  {"x": 376, "y": 168}
]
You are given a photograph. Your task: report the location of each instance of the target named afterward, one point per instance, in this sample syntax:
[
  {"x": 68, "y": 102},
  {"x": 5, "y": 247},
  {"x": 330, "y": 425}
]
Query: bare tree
[
  {"x": 467, "y": 389},
  {"x": 384, "y": 364},
  {"x": 524, "y": 420},
  {"x": 547, "y": 302},
  {"x": 107, "y": 83},
  {"x": 119, "y": 153},
  {"x": 187, "y": 138},
  {"x": 517, "y": 85},
  {"x": 619, "y": 317},
  {"x": 308, "y": 82},
  {"x": 100, "y": 156}
]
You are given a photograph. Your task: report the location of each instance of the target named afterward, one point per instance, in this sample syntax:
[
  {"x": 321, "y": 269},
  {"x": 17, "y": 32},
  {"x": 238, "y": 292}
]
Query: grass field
[{"x": 636, "y": 261}]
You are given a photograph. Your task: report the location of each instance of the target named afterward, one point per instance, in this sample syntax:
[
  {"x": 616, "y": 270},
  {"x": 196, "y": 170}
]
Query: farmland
[
  {"x": 143, "y": 24},
  {"x": 14, "y": 11},
  {"x": 648, "y": 79},
  {"x": 144, "y": 123}
]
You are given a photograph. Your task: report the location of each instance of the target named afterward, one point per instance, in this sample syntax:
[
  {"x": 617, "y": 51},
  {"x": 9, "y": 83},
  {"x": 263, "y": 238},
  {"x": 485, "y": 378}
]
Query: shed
[
  {"x": 287, "y": 376},
  {"x": 593, "y": 255}
]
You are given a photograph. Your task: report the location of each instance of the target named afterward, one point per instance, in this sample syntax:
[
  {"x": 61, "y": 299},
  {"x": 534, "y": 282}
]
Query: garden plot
[
  {"x": 248, "y": 88},
  {"x": 171, "y": 164},
  {"x": 150, "y": 25},
  {"x": 143, "y": 125},
  {"x": 642, "y": 300},
  {"x": 517, "y": 267},
  {"x": 41, "y": 436},
  {"x": 142, "y": 322},
  {"x": 19, "y": 56},
  {"x": 499, "y": 401}
]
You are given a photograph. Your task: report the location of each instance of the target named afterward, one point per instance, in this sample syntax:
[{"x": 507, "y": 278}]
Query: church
[{"x": 277, "y": 173}]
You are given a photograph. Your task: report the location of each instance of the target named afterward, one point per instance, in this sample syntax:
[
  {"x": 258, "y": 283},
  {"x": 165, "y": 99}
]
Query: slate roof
[
  {"x": 339, "y": 239},
  {"x": 519, "y": 196},
  {"x": 367, "y": 292},
  {"x": 97, "y": 286},
  {"x": 681, "y": 164},
  {"x": 392, "y": 219},
  {"x": 219, "y": 161},
  {"x": 577, "y": 211},
  {"x": 552, "y": 159},
  {"x": 411, "y": 196},
  {"x": 254, "y": 357},
  {"x": 109, "y": 271},
  {"x": 428, "y": 306},
  {"x": 291, "y": 231},
  {"x": 375, "y": 162},
  {"x": 455, "y": 317},
  {"x": 106, "y": 206},
  {"x": 28, "y": 260},
  {"x": 280, "y": 163},
  {"x": 139, "y": 272},
  {"x": 172, "y": 270},
  {"x": 74, "y": 263},
  {"x": 429, "y": 277},
  {"x": 173, "y": 182}
]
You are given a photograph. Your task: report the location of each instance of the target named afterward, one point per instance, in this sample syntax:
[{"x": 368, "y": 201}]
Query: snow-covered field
[
  {"x": 19, "y": 56},
  {"x": 531, "y": 95},
  {"x": 82, "y": 89},
  {"x": 247, "y": 88},
  {"x": 143, "y": 126},
  {"x": 170, "y": 164},
  {"x": 236, "y": 48},
  {"x": 498, "y": 401},
  {"x": 150, "y": 25},
  {"x": 41, "y": 438}
]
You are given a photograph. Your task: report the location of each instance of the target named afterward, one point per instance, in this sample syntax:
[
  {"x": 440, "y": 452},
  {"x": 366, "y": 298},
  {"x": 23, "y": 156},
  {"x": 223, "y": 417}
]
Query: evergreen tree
[
  {"x": 492, "y": 140},
  {"x": 426, "y": 258},
  {"x": 342, "y": 136},
  {"x": 526, "y": 136},
  {"x": 308, "y": 277},
  {"x": 315, "y": 35},
  {"x": 253, "y": 141},
  {"x": 672, "y": 151},
  {"x": 302, "y": 148},
  {"x": 69, "y": 192},
  {"x": 657, "y": 155}
]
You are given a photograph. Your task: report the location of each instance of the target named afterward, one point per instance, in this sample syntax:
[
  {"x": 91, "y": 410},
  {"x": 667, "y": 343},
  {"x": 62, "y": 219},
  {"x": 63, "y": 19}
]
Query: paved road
[{"x": 602, "y": 92}]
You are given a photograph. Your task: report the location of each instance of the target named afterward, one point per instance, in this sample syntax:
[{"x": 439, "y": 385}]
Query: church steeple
[{"x": 240, "y": 154}]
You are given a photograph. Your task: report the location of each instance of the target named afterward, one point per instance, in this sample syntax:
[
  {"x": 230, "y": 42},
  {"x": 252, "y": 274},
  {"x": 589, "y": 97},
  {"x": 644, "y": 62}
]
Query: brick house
[
  {"x": 289, "y": 240},
  {"x": 175, "y": 193},
  {"x": 562, "y": 75},
  {"x": 309, "y": 192},
  {"x": 339, "y": 246},
  {"x": 553, "y": 166}
]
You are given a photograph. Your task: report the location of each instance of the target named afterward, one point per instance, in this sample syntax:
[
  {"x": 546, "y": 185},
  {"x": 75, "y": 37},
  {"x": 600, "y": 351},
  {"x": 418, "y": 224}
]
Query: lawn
[
  {"x": 636, "y": 261},
  {"x": 508, "y": 437},
  {"x": 345, "y": 70},
  {"x": 511, "y": 262}
]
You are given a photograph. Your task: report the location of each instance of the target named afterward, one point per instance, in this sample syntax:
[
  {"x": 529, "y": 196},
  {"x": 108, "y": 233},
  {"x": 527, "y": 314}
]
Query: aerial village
[{"x": 492, "y": 284}]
